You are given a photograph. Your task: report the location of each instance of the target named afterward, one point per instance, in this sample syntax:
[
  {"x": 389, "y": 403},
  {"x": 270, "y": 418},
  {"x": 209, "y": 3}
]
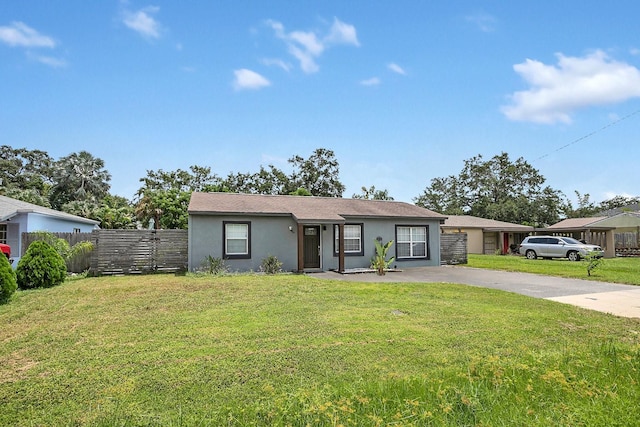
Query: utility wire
[{"x": 615, "y": 122}]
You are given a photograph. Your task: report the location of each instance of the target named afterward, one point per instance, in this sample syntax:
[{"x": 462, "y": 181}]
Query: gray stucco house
[
  {"x": 309, "y": 233},
  {"x": 17, "y": 217}
]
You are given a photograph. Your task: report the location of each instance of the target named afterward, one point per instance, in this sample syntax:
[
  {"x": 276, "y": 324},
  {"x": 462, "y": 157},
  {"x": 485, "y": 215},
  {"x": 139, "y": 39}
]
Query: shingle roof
[
  {"x": 11, "y": 207},
  {"x": 468, "y": 221},
  {"x": 576, "y": 223},
  {"x": 304, "y": 208}
]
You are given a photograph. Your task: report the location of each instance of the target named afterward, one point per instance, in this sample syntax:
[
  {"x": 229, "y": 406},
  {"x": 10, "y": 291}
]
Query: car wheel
[
  {"x": 573, "y": 256},
  {"x": 530, "y": 254}
]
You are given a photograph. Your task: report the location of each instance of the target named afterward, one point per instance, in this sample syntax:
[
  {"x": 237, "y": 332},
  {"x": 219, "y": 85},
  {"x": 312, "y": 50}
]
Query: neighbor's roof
[
  {"x": 468, "y": 221},
  {"x": 304, "y": 208},
  {"x": 10, "y": 208},
  {"x": 577, "y": 223}
]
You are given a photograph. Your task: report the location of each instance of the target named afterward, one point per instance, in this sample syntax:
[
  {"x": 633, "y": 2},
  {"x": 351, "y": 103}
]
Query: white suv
[{"x": 557, "y": 247}]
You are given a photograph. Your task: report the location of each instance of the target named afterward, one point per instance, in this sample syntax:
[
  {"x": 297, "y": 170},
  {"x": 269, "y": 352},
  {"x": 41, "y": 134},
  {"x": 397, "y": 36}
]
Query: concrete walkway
[{"x": 617, "y": 299}]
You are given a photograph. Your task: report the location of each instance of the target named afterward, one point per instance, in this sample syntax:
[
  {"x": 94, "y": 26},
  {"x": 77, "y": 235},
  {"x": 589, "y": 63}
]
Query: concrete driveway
[{"x": 617, "y": 299}]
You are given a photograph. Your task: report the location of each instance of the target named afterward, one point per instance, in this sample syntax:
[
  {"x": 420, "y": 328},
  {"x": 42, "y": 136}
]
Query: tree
[
  {"x": 164, "y": 196},
  {"x": 618, "y": 202},
  {"x": 79, "y": 177},
  {"x": 495, "y": 189},
  {"x": 318, "y": 174},
  {"x": 372, "y": 194},
  {"x": 115, "y": 212},
  {"x": 25, "y": 174},
  {"x": 266, "y": 181},
  {"x": 585, "y": 208}
]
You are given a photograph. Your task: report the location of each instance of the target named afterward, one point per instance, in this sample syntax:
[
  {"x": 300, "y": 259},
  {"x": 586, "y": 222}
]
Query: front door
[{"x": 311, "y": 246}]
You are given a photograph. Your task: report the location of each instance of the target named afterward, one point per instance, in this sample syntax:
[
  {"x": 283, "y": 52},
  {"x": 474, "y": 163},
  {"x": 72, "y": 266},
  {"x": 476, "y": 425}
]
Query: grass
[
  {"x": 615, "y": 270},
  {"x": 293, "y": 350}
]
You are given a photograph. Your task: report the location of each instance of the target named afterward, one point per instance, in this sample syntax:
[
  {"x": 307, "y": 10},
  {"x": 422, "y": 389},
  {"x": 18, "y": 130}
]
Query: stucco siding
[
  {"x": 269, "y": 236},
  {"x": 272, "y": 236}
]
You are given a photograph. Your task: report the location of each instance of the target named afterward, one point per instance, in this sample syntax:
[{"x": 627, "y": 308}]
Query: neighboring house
[
  {"x": 309, "y": 233},
  {"x": 614, "y": 233},
  {"x": 486, "y": 236},
  {"x": 17, "y": 217}
]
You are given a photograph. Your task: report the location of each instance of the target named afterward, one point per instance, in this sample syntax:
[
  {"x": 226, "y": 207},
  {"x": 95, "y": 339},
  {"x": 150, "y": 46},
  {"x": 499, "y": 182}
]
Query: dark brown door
[{"x": 311, "y": 246}]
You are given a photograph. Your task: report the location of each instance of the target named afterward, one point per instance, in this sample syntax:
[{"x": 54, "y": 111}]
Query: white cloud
[
  {"x": 485, "y": 22},
  {"x": 342, "y": 33},
  {"x": 308, "y": 46},
  {"x": 373, "y": 81},
  {"x": 396, "y": 68},
  {"x": 20, "y": 34},
  {"x": 575, "y": 82},
  {"x": 142, "y": 22},
  {"x": 272, "y": 62},
  {"x": 47, "y": 60},
  {"x": 247, "y": 79}
]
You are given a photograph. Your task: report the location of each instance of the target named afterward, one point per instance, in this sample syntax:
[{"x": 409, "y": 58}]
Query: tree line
[{"x": 497, "y": 188}]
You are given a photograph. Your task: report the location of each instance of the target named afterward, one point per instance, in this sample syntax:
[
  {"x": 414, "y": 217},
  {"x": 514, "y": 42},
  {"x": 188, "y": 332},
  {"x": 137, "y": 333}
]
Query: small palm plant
[{"x": 379, "y": 261}]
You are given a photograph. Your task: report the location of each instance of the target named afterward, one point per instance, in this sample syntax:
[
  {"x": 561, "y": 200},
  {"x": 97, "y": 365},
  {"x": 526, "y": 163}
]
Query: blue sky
[{"x": 401, "y": 91}]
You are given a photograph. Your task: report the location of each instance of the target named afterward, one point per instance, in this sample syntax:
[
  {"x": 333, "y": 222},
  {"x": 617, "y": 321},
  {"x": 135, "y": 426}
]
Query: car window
[
  {"x": 571, "y": 241},
  {"x": 551, "y": 241}
]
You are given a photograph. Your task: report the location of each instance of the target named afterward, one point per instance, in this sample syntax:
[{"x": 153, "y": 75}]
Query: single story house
[
  {"x": 615, "y": 233},
  {"x": 17, "y": 217},
  {"x": 486, "y": 236},
  {"x": 308, "y": 233}
]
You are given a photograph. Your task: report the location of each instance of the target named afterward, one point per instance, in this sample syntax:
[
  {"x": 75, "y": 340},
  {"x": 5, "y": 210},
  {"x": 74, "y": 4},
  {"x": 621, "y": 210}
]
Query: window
[
  {"x": 3, "y": 233},
  {"x": 237, "y": 239},
  {"x": 411, "y": 242},
  {"x": 352, "y": 239}
]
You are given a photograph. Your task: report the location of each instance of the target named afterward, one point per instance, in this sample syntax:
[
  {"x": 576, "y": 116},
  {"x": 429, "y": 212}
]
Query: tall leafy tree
[
  {"x": 318, "y": 174},
  {"x": 497, "y": 188},
  {"x": 270, "y": 180},
  {"x": 372, "y": 194},
  {"x": 79, "y": 177},
  {"x": 164, "y": 197},
  {"x": 25, "y": 174},
  {"x": 618, "y": 202},
  {"x": 585, "y": 207}
]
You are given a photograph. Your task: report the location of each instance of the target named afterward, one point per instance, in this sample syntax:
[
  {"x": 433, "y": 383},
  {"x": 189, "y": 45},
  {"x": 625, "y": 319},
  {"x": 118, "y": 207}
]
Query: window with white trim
[
  {"x": 3, "y": 233},
  {"x": 237, "y": 239},
  {"x": 411, "y": 242},
  {"x": 352, "y": 239}
]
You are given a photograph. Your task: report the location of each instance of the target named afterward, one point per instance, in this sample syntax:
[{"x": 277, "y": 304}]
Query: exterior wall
[
  {"x": 24, "y": 223},
  {"x": 269, "y": 236},
  {"x": 272, "y": 236}
]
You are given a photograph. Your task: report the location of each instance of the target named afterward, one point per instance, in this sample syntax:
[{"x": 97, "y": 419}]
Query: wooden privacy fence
[
  {"x": 453, "y": 248},
  {"x": 138, "y": 251}
]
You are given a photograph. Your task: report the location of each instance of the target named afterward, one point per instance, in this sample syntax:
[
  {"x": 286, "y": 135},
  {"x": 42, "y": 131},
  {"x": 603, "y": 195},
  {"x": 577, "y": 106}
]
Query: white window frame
[
  {"x": 246, "y": 253},
  {"x": 413, "y": 243},
  {"x": 3, "y": 233},
  {"x": 360, "y": 232}
]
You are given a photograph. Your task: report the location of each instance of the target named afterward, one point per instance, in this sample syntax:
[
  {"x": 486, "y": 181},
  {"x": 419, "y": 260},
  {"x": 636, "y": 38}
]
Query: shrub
[
  {"x": 8, "y": 284},
  {"x": 66, "y": 251},
  {"x": 271, "y": 265},
  {"x": 214, "y": 266},
  {"x": 40, "y": 267},
  {"x": 379, "y": 261}
]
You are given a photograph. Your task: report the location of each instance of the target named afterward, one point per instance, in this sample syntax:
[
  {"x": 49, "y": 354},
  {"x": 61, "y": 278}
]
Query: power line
[{"x": 615, "y": 122}]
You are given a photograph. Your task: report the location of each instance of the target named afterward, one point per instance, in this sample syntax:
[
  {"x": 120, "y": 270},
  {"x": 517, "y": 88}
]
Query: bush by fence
[{"x": 78, "y": 264}]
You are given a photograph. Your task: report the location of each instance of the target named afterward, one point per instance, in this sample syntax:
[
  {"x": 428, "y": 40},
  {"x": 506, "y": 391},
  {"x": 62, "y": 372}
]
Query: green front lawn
[
  {"x": 616, "y": 270},
  {"x": 293, "y": 350}
]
